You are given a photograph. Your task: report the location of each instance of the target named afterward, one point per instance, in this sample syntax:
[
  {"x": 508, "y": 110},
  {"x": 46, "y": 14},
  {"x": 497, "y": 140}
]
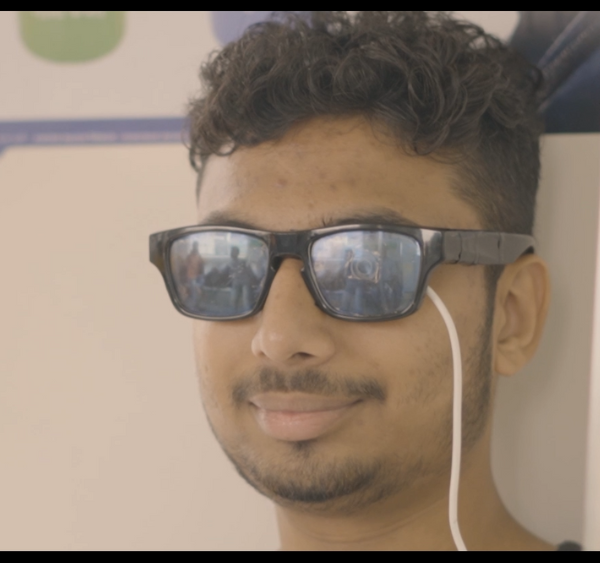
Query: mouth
[{"x": 297, "y": 417}]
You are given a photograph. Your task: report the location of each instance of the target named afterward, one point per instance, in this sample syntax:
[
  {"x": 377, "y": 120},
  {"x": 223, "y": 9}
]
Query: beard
[
  {"x": 308, "y": 483},
  {"x": 307, "y": 480}
]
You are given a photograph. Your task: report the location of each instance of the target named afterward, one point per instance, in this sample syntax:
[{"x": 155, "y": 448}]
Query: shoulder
[{"x": 569, "y": 546}]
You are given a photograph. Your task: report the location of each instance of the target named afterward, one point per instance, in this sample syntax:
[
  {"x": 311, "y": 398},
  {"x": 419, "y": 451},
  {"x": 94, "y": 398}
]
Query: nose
[{"x": 293, "y": 332}]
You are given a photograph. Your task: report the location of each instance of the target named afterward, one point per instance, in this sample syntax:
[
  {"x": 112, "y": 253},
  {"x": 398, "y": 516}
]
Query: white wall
[
  {"x": 103, "y": 443},
  {"x": 540, "y": 434},
  {"x": 102, "y": 437},
  {"x": 591, "y": 537}
]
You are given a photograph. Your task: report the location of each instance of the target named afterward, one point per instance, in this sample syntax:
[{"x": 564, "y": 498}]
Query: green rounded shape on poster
[{"x": 72, "y": 37}]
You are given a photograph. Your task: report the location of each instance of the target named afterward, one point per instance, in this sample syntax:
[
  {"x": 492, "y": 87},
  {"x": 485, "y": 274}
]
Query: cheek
[
  {"x": 219, "y": 351},
  {"x": 410, "y": 356},
  {"x": 414, "y": 354},
  {"x": 464, "y": 291}
]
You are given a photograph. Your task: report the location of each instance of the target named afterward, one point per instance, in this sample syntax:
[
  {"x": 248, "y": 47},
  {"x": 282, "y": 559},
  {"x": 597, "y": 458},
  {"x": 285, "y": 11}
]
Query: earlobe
[{"x": 522, "y": 300}]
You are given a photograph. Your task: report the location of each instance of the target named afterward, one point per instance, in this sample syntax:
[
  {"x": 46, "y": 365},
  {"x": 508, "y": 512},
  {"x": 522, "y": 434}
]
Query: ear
[{"x": 522, "y": 300}]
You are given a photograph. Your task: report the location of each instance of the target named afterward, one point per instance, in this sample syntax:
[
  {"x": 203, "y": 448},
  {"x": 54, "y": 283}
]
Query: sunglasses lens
[
  {"x": 367, "y": 274},
  {"x": 218, "y": 274}
]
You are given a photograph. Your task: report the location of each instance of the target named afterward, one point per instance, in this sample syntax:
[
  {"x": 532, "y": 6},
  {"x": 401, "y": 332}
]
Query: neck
[{"x": 417, "y": 519}]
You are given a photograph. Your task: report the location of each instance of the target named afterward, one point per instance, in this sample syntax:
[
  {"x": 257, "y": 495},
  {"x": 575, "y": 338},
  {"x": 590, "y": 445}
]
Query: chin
[{"x": 302, "y": 482}]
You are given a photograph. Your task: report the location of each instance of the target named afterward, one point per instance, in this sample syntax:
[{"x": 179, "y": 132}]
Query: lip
[{"x": 297, "y": 417}]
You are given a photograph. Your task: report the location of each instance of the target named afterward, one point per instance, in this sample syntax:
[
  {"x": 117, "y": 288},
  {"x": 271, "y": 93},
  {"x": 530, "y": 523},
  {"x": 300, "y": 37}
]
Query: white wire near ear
[{"x": 456, "y": 419}]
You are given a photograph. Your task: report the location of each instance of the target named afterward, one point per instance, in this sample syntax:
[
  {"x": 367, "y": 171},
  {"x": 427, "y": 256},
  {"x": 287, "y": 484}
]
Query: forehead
[{"x": 326, "y": 170}]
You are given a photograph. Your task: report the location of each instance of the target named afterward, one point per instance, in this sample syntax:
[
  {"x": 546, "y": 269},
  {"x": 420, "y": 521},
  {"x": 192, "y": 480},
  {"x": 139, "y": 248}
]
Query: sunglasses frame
[{"x": 438, "y": 246}]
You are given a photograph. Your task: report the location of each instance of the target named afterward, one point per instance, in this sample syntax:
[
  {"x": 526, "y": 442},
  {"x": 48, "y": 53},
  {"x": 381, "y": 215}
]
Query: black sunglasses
[{"x": 355, "y": 272}]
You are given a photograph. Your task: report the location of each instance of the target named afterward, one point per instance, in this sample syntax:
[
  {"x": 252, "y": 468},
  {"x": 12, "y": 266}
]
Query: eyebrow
[{"x": 378, "y": 216}]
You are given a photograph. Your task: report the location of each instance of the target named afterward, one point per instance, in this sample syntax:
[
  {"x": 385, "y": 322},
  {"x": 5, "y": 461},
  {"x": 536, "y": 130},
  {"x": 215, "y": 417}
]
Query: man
[
  {"x": 190, "y": 274},
  {"x": 401, "y": 134},
  {"x": 241, "y": 278}
]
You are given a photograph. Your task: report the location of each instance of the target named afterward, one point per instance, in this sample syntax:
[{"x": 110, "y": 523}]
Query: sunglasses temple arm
[{"x": 486, "y": 248}]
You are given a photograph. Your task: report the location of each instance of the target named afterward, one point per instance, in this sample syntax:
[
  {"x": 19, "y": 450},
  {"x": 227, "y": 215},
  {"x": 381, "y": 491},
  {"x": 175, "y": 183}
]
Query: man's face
[{"x": 320, "y": 413}]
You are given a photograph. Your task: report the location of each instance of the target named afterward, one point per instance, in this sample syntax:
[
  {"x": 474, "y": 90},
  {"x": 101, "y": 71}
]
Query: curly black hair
[{"x": 440, "y": 86}]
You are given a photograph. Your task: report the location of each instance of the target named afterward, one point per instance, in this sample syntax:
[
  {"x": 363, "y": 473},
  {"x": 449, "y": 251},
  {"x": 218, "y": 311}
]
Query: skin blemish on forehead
[{"x": 272, "y": 184}]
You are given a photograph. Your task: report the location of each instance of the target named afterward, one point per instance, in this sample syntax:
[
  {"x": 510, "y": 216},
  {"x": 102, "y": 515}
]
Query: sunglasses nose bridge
[
  {"x": 292, "y": 245},
  {"x": 287, "y": 245}
]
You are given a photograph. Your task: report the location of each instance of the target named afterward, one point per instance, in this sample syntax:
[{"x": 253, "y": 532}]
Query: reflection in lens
[
  {"x": 366, "y": 274},
  {"x": 219, "y": 274}
]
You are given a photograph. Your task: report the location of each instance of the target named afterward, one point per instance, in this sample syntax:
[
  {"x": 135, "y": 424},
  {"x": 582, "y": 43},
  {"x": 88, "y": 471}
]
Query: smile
[{"x": 296, "y": 417}]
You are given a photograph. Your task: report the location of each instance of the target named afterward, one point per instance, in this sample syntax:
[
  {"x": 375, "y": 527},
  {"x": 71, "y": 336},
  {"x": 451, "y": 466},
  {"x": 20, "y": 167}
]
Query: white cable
[{"x": 456, "y": 419}]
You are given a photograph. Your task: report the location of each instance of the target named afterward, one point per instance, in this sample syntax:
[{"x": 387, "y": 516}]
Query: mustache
[{"x": 307, "y": 381}]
